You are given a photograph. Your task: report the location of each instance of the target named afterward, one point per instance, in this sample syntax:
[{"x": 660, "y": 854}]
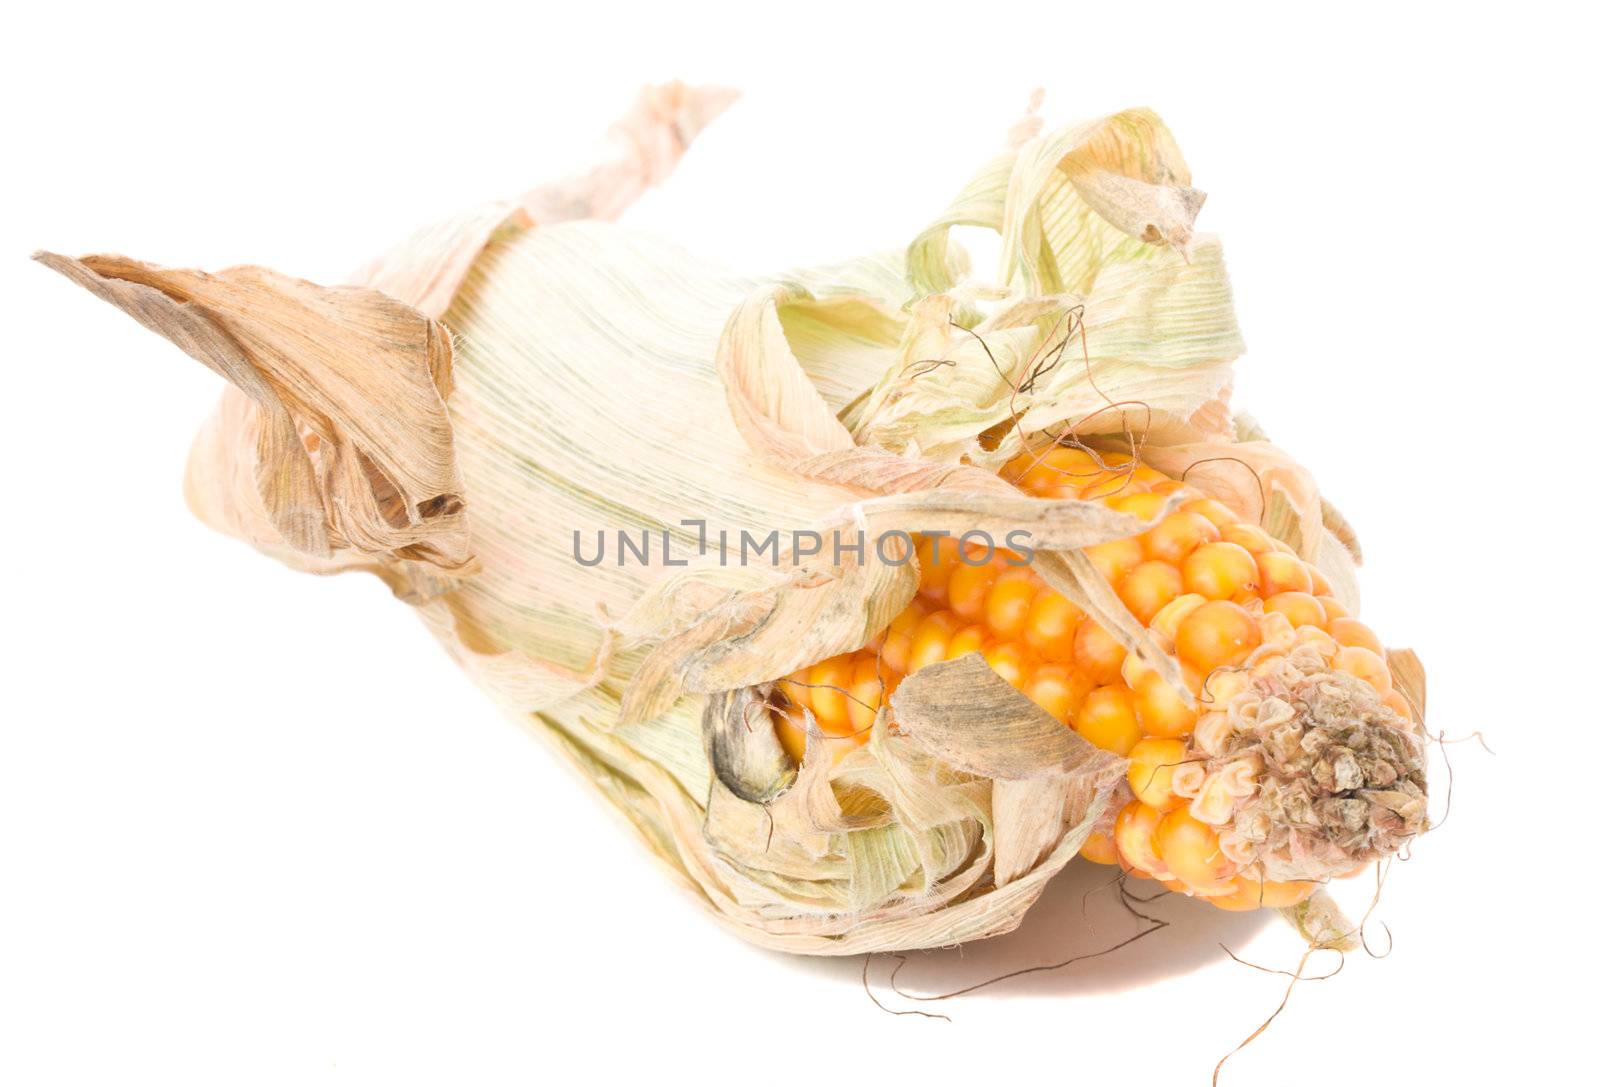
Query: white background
[{"x": 255, "y": 828}]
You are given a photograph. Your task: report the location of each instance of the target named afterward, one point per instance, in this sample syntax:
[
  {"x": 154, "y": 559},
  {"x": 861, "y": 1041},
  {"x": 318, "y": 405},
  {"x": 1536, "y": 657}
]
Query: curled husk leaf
[{"x": 527, "y": 376}]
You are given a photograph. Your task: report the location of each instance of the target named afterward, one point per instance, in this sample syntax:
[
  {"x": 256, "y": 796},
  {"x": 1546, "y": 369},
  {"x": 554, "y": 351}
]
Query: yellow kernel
[
  {"x": 932, "y": 640},
  {"x": 866, "y": 692},
  {"x": 1249, "y": 537},
  {"x": 1219, "y": 570},
  {"x": 1363, "y": 663},
  {"x": 1135, "y": 834},
  {"x": 1150, "y": 766},
  {"x": 1160, "y": 709},
  {"x": 1282, "y": 572},
  {"x": 934, "y": 570},
  {"x": 1191, "y": 852},
  {"x": 1301, "y": 609},
  {"x": 1220, "y": 688},
  {"x": 970, "y": 587},
  {"x": 910, "y": 616},
  {"x": 1006, "y": 610},
  {"x": 1348, "y": 631},
  {"x": 1064, "y": 466},
  {"x": 796, "y": 692},
  {"x": 1011, "y": 661},
  {"x": 1133, "y": 669},
  {"x": 1099, "y": 848},
  {"x": 1052, "y": 623},
  {"x": 1166, "y": 621},
  {"x": 1150, "y": 476},
  {"x": 1149, "y": 587},
  {"x": 791, "y": 736},
  {"x": 1399, "y": 703},
  {"x": 1106, "y": 719},
  {"x": 895, "y": 652},
  {"x": 1097, "y": 653},
  {"x": 1143, "y": 505},
  {"x": 1216, "y": 634},
  {"x": 1177, "y": 535},
  {"x": 969, "y": 639},
  {"x": 829, "y": 679},
  {"x": 1115, "y": 478},
  {"x": 1058, "y": 690},
  {"x": 1115, "y": 558},
  {"x": 1331, "y": 605},
  {"x": 1212, "y": 510},
  {"x": 1255, "y": 894}
]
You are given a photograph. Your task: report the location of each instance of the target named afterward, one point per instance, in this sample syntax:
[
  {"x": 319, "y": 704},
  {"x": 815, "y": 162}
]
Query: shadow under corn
[{"x": 1079, "y": 915}]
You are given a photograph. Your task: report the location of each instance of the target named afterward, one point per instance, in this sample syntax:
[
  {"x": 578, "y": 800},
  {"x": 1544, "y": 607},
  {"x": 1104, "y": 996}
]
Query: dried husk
[{"x": 526, "y": 374}]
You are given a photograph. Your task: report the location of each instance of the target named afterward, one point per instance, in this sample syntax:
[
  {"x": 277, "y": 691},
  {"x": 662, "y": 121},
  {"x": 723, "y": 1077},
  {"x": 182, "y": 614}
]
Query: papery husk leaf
[
  {"x": 976, "y": 722},
  {"x": 345, "y": 439},
  {"x": 1409, "y": 679},
  {"x": 426, "y": 270}
]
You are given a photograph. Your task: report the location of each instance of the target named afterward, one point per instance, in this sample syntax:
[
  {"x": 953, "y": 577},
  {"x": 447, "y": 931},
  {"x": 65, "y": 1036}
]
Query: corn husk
[{"x": 528, "y": 373}]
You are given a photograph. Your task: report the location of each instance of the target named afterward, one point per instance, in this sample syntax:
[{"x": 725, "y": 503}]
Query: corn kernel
[
  {"x": 791, "y": 735},
  {"x": 1219, "y": 570},
  {"x": 1212, "y": 510},
  {"x": 934, "y": 570},
  {"x": 1150, "y": 766},
  {"x": 829, "y": 681},
  {"x": 1348, "y": 631},
  {"x": 1191, "y": 852},
  {"x": 866, "y": 692},
  {"x": 969, "y": 639},
  {"x": 1160, "y": 709},
  {"x": 1135, "y": 835},
  {"x": 1177, "y": 535},
  {"x": 1052, "y": 624},
  {"x": 795, "y": 692},
  {"x": 970, "y": 586},
  {"x": 1149, "y": 587},
  {"x": 1097, "y": 654},
  {"x": 1011, "y": 661},
  {"x": 1301, "y": 609},
  {"x": 1065, "y": 466},
  {"x": 1099, "y": 848},
  {"x": 1166, "y": 621},
  {"x": 1106, "y": 719},
  {"x": 1282, "y": 572},
  {"x": 1115, "y": 558},
  {"x": 1400, "y": 704},
  {"x": 1363, "y": 663},
  {"x": 1058, "y": 690},
  {"x": 1331, "y": 605},
  {"x": 1216, "y": 634},
  {"x": 1255, "y": 894},
  {"x": 1249, "y": 537},
  {"x": 1006, "y": 609},
  {"x": 932, "y": 641},
  {"x": 1142, "y": 505}
]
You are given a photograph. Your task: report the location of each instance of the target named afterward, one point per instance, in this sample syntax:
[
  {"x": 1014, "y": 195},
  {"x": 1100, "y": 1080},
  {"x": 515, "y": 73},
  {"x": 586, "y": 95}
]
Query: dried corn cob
[
  {"x": 1254, "y": 628},
  {"x": 505, "y": 382}
]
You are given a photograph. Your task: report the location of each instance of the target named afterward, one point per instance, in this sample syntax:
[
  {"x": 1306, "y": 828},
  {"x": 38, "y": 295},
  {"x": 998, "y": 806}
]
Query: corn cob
[{"x": 1248, "y": 621}]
